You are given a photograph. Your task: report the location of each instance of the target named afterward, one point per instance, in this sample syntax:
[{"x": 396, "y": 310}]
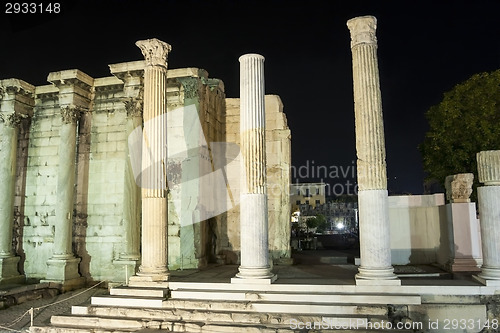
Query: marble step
[
  {"x": 132, "y": 325},
  {"x": 70, "y": 323},
  {"x": 239, "y": 306},
  {"x": 295, "y": 297},
  {"x": 129, "y": 301},
  {"x": 141, "y": 292},
  {"x": 193, "y": 327},
  {"x": 219, "y": 316}
]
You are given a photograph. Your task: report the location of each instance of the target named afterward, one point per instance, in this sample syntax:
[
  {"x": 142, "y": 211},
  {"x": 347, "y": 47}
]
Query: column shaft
[
  {"x": 154, "y": 265},
  {"x": 488, "y": 167},
  {"x": 66, "y": 187},
  {"x": 253, "y": 197},
  {"x": 16, "y": 103},
  {"x": 374, "y": 226},
  {"x": 489, "y": 210},
  {"x": 8, "y": 152}
]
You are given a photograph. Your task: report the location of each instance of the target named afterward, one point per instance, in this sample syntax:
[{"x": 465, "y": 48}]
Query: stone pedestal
[
  {"x": 9, "y": 273},
  {"x": 16, "y": 103},
  {"x": 154, "y": 269},
  {"x": 465, "y": 239},
  {"x": 488, "y": 165},
  {"x": 374, "y": 225},
  {"x": 254, "y": 266}
]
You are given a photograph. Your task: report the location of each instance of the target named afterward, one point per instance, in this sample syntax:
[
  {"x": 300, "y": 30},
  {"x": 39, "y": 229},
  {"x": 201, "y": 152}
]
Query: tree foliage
[
  {"x": 318, "y": 222},
  {"x": 464, "y": 123}
]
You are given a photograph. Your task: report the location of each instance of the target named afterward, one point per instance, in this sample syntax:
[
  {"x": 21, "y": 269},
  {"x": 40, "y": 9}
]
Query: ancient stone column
[
  {"x": 154, "y": 268},
  {"x": 488, "y": 166},
  {"x": 374, "y": 226},
  {"x": 254, "y": 266},
  {"x": 16, "y": 103},
  {"x": 63, "y": 266},
  {"x": 74, "y": 98}
]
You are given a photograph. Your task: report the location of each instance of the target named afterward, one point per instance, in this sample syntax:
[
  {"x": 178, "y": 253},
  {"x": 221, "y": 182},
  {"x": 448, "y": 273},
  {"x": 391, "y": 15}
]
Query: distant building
[
  {"x": 312, "y": 194},
  {"x": 342, "y": 217}
]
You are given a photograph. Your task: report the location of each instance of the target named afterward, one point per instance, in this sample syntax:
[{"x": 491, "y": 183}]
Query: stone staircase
[{"x": 225, "y": 307}]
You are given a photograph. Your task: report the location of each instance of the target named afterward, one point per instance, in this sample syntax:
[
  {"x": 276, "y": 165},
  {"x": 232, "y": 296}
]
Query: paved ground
[{"x": 315, "y": 267}]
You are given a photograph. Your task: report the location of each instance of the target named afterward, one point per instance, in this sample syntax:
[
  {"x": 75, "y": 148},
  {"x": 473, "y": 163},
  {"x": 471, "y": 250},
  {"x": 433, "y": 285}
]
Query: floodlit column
[
  {"x": 16, "y": 98},
  {"x": 374, "y": 226},
  {"x": 253, "y": 196},
  {"x": 75, "y": 90},
  {"x": 488, "y": 166},
  {"x": 8, "y": 150},
  {"x": 66, "y": 183},
  {"x": 154, "y": 257},
  {"x": 63, "y": 265}
]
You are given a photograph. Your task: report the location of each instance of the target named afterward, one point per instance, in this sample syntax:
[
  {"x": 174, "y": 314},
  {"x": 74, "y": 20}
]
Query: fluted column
[
  {"x": 154, "y": 267},
  {"x": 16, "y": 103},
  {"x": 488, "y": 166},
  {"x": 253, "y": 196},
  {"x": 374, "y": 226}
]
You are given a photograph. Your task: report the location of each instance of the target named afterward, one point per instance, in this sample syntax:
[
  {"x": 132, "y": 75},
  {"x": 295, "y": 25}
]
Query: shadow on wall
[
  {"x": 20, "y": 191},
  {"x": 82, "y": 189}
]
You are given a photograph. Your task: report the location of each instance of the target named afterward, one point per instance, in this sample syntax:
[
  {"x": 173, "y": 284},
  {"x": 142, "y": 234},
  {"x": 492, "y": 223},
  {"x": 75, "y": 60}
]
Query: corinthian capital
[
  {"x": 362, "y": 30},
  {"x": 12, "y": 119},
  {"x": 134, "y": 106},
  {"x": 70, "y": 113},
  {"x": 155, "y": 51}
]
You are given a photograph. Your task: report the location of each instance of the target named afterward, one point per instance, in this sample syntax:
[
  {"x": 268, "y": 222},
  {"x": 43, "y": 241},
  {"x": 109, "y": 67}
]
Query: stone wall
[{"x": 418, "y": 229}]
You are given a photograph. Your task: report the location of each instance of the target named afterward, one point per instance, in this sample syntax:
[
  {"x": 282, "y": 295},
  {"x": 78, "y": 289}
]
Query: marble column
[
  {"x": 75, "y": 94},
  {"x": 154, "y": 266},
  {"x": 16, "y": 103},
  {"x": 374, "y": 228},
  {"x": 488, "y": 165},
  {"x": 254, "y": 266}
]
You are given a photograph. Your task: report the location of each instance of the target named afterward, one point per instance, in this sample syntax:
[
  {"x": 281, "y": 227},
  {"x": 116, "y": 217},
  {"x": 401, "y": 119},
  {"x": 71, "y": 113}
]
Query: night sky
[{"x": 424, "y": 49}]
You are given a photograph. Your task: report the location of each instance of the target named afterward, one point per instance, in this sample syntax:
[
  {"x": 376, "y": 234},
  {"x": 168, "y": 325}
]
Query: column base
[
  {"x": 377, "y": 277},
  {"x": 490, "y": 273},
  {"x": 64, "y": 271},
  {"x": 487, "y": 282},
  {"x": 464, "y": 265},
  {"x": 254, "y": 276},
  {"x": 149, "y": 280},
  {"x": 8, "y": 271}
]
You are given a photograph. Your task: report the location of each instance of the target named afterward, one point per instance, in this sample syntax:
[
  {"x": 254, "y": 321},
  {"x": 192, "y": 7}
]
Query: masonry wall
[{"x": 418, "y": 229}]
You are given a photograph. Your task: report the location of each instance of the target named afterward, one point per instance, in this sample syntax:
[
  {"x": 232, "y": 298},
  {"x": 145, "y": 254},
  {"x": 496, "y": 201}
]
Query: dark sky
[{"x": 425, "y": 48}]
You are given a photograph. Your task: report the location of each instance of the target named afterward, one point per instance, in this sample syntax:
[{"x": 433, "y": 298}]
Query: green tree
[
  {"x": 318, "y": 222},
  {"x": 465, "y": 122}
]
